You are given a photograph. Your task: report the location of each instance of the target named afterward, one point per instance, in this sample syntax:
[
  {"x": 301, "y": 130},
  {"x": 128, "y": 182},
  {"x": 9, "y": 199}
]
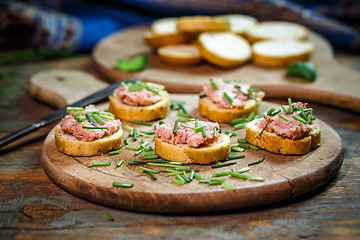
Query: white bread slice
[
  {"x": 140, "y": 113},
  {"x": 216, "y": 151},
  {"x": 211, "y": 111},
  {"x": 180, "y": 54},
  {"x": 164, "y": 25},
  {"x": 277, "y": 144},
  {"x": 224, "y": 49},
  {"x": 240, "y": 23},
  {"x": 281, "y": 53},
  {"x": 276, "y": 30},
  {"x": 195, "y": 25},
  {"x": 68, "y": 144}
]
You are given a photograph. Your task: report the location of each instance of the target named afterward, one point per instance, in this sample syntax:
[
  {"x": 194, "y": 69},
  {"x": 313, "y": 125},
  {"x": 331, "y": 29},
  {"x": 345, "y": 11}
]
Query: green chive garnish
[
  {"x": 132, "y": 148},
  {"x": 119, "y": 163},
  {"x": 223, "y": 164},
  {"x": 105, "y": 116},
  {"x": 260, "y": 161},
  {"x": 92, "y": 110},
  {"x": 98, "y": 119},
  {"x": 80, "y": 118},
  {"x": 198, "y": 176},
  {"x": 290, "y": 105},
  {"x": 203, "y": 132},
  {"x": 221, "y": 173},
  {"x": 182, "y": 114},
  {"x": 115, "y": 152},
  {"x": 178, "y": 181},
  {"x": 87, "y": 115},
  {"x": 109, "y": 217},
  {"x": 257, "y": 179},
  {"x": 285, "y": 109},
  {"x": 202, "y": 95},
  {"x": 237, "y": 149},
  {"x": 142, "y": 123},
  {"x": 77, "y": 114},
  {"x": 149, "y": 170},
  {"x": 242, "y": 140},
  {"x": 97, "y": 127},
  {"x": 243, "y": 145},
  {"x": 74, "y": 109},
  {"x": 275, "y": 112},
  {"x": 176, "y": 124},
  {"x": 236, "y": 156},
  {"x": 264, "y": 127},
  {"x": 229, "y": 98},
  {"x": 122, "y": 184},
  {"x": 100, "y": 164},
  {"x": 240, "y": 126},
  {"x": 245, "y": 169},
  {"x": 228, "y": 186},
  {"x": 254, "y": 147},
  {"x": 283, "y": 117},
  {"x": 239, "y": 175},
  {"x": 213, "y": 83},
  {"x": 296, "y": 117},
  {"x": 249, "y": 96}
]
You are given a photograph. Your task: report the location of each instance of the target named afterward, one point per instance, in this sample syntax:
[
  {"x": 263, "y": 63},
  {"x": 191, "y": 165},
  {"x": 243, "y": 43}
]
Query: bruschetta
[
  {"x": 288, "y": 130},
  {"x": 222, "y": 101},
  {"x": 88, "y": 132},
  {"x": 140, "y": 102},
  {"x": 192, "y": 142}
]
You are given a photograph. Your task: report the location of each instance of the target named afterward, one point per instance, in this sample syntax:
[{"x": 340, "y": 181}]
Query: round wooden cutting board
[
  {"x": 335, "y": 85},
  {"x": 285, "y": 176}
]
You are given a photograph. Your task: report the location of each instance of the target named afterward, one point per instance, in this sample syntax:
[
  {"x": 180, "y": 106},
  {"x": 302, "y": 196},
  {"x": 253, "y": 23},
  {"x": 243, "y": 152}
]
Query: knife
[{"x": 95, "y": 97}]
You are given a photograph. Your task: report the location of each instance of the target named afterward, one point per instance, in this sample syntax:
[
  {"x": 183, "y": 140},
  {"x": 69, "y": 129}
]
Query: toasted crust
[
  {"x": 224, "y": 49},
  {"x": 155, "y": 40},
  {"x": 280, "y": 53},
  {"x": 224, "y": 115},
  {"x": 180, "y": 54},
  {"x": 69, "y": 145},
  {"x": 216, "y": 151},
  {"x": 276, "y": 30},
  {"x": 239, "y": 23},
  {"x": 140, "y": 113},
  {"x": 197, "y": 24},
  {"x": 277, "y": 144}
]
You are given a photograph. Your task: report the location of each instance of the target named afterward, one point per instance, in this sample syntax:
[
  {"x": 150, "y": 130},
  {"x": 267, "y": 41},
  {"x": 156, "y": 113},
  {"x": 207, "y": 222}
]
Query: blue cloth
[{"x": 78, "y": 25}]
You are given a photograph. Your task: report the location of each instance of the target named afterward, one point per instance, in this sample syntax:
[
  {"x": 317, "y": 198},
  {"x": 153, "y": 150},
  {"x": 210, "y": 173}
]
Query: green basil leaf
[
  {"x": 133, "y": 64},
  {"x": 304, "y": 70}
]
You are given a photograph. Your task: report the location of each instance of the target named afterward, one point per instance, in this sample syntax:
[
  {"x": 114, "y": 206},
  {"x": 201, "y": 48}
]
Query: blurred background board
[{"x": 335, "y": 85}]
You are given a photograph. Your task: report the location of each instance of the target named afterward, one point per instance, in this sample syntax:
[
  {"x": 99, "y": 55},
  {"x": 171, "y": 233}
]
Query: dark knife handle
[{"x": 20, "y": 133}]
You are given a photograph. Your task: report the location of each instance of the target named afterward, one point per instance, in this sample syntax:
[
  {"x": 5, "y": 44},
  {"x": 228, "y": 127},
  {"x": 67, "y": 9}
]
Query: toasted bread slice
[
  {"x": 180, "y": 54},
  {"x": 195, "y": 25},
  {"x": 224, "y": 49},
  {"x": 216, "y": 151},
  {"x": 69, "y": 145},
  {"x": 281, "y": 53},
  {"x": 239, "y": 23},
  {"x": 276, "y": 30},
  {"x": 140, "y": 113},
  {"x": 282, "y": 145},
  {"x": 155, "y": 40},
  {"x": 211, "y": 111}
]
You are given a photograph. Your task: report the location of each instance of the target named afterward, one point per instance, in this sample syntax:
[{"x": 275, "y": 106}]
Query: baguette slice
[
  {"x": 211, "y": 111},
  {"x": 69, "y": 145},
  {"x": 140, "y": 113},
  {"x": 281, "y": 53},
  {"x": 154, "y": 39},
  {"x": 180, "y": 54},
  {"x": 276, "y": 30},
  {"x": 277, "y": 144},
  {"x": 195, "y": 25},
  {"x": 224, "y": 49},
  {"x": 239, "y": 23},
  {"x": 216, "y": 151}
]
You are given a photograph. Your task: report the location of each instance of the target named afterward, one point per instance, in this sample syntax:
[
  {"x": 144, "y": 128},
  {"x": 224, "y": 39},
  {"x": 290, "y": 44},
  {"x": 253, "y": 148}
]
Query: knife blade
[{"x": 92, "y": 98}]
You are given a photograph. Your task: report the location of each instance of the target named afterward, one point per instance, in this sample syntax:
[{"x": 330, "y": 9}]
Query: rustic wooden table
[{"x": 32, "y": 206}]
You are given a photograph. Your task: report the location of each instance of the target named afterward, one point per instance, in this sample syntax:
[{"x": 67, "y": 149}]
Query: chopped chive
[
  {"x": 197, "y": 123},
  {"x": 203, "y": 132},
  {"x": 74, "y": 109},
  {"x": 142, "y": 123},
  {"x": 155, "y": 85},
  {"x": 290, "y": 105},
  {"x": 176, "y": 124},
  {"x": 151, "y": 175},
  {"x": 92, "y": 110},
  {"x": 250, "y": 117},
  {"x": 217, "y": 179},
  {"x": 151, "y": 157},
  {"x": 148, "y": 133},
  {"x": 198, "y": 176},
  {"x": 80, "y": 118},
  {"x": 187, "y": 126},
  {"x": 240, "y": 126},
  {"x": 149, "y": 170},
  {"x": 283, "y": 117},
  {"x": 252, "y": 89},
  {"x": 135, "y": 135},
  {"x": 185, "y": 119},
  {"x": 236, "y": 156},
  {"x": 270, "y": 111},
  {"x": 101, "y": 164},
  {"x": 185, "y": 178},
  {"x": 242, "y": 140},
  {"x": 257, "y": 179},
  {"x": 178, "y": 181},
  {"x": 243, "y": 145},
  {"x": 237, "y": 121},
  {"x": 254, "y": 147},
  {"x": 110, "y": 114},
  {"x": 229, "y": 98},
  {"x": 109, "y": 217},
  {"x": 144, "y": 162},
  {"x": 143, "y": 134},
  {"x": 309, "y": 119},
  {"x": 77, "y": 114},
  {"x": 173, "y": 173},
  {"x": 140, "y": 151},
  {"x": 161, "y": 122},
  {"x": 260, "y": 161},
  {"x": 249, "y": 96},
  {"x": 115, "y": 152},
  {"x": 221, "y": 173},
  {"x": 132, "y": 148},
  {"x": 204, "y": 181},
  {"x": 223, "y": 164},
  {"x": 296, "y": 117},
  {"x": 122, "y": 184},
  {"x": 214, "y": 133},
  {"x": 127, "y": 140},
  {"x": 245, "y": 169},
  {"x": 233, "y": 133},
  {"x": 264, "y": 127},
  {"x": 182, "y": 114},
  {"x": 275, "y": 112},
  {"x": 120, "y": 163},
  {"x": 168, "y": 165},
  {"x": 213, "y": 83},
  {"x": 285, "y": 109},
  {"x": 87, "y": 115},
  {"x": 105, "y": 116},
  {"x": 239, "y": 175},
  {"x": 192, "y": 173},
  {"x": 202, "y": 95},
  {"x": 308, "y": 109},
  {"x": 237, "y": 149},
  {"x": 97, "y": 127},
  {"x": 228, "y": 186},
  {"x": 184, "y": 169},
  {"x": 98, "y": 119}
]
